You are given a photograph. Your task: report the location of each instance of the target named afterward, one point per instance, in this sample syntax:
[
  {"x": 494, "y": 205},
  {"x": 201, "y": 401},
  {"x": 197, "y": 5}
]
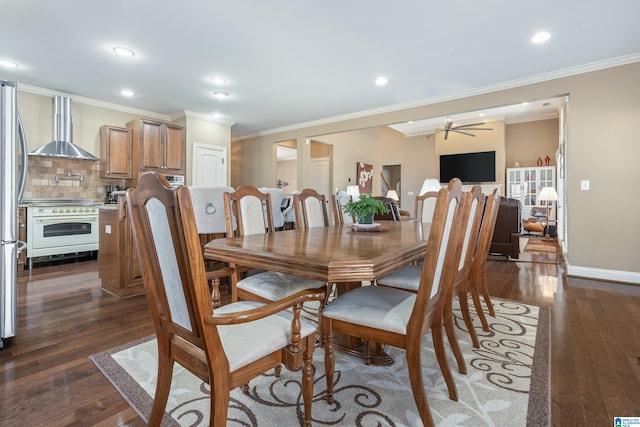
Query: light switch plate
[
  {"x": 584, "y": 184},
  {"x": 410, "y": 193},
  {"x": 107, "y": 229}
]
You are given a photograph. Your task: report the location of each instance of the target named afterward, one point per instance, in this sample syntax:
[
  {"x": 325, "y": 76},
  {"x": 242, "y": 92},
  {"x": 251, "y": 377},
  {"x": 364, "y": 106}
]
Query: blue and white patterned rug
[{"x": 508, "y": 382}]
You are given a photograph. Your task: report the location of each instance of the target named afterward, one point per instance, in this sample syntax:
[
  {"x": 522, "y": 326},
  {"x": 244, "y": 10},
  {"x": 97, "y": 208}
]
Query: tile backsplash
[{"x": 41, "y": 179}]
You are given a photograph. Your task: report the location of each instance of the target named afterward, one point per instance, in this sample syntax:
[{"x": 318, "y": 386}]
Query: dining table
[{"x": 346, "y": 255}]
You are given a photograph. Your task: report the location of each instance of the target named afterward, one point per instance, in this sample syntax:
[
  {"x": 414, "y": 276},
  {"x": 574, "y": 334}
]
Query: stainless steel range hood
[{"x": 62, "y": 145}]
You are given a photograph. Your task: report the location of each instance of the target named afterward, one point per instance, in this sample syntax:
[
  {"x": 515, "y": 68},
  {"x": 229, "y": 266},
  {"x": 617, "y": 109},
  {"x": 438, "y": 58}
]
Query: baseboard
[{"x": 602, "y": 274}]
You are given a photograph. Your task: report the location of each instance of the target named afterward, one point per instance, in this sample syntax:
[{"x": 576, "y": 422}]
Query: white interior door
[
  {"x": 320, "y": 176},
  {"x": 209, "y": 165}
]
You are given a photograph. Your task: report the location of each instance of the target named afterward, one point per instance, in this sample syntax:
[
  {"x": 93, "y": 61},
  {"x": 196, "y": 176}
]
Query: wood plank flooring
[{"x": 46, "y": 377}]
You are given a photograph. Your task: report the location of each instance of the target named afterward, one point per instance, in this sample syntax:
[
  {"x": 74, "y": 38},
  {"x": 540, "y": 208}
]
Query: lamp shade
[
  {"x": 354, "y": 192},
  {"x": 391, "y": 194},
  {"x": 430, "y": 184},
  {"x": 548, "y": 194}
]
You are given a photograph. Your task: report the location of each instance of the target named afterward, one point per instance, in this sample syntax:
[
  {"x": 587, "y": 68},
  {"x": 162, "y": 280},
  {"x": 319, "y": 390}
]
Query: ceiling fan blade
[
  {"x": 464, "y": 133},
  {"x": 476, "y": 128},
  {"x": 446, "y": 134},
  {"x": 469, "y": 125}
]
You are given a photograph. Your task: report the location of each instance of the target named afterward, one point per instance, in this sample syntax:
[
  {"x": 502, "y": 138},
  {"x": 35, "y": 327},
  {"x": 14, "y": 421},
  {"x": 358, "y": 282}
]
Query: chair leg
[
  {"x": 438, "y": 345},
  {"x": 215, "y": 292},
  {"x": 414, "y": 364},
  {"x": 478, "y": 305},
  {"x": 307, "y": 379},
  {"x": 329, "y": 357},
  {"x": 163, "y": 386},
  {"x": 451, "y": 335},
  {"x": 466, "y": 315},
  {"x": 485, "y": 290},
  {"x": 219, "y": 404}
]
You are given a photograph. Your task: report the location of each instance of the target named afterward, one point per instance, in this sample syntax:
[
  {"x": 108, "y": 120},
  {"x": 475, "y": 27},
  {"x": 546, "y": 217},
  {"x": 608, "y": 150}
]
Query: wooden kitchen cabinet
[
  {"x": 116, "y": 150},
  {"x": 158, "y": 146},
  {"x": 118, "y": 267}
]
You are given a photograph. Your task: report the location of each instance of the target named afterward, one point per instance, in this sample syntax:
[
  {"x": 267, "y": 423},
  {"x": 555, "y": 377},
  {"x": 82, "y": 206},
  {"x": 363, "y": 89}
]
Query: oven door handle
[{"x": 60, "y": 219}]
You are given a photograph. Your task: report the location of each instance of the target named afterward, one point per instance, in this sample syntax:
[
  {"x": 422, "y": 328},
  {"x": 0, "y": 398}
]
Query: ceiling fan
[{"x": 463, "y": 129}]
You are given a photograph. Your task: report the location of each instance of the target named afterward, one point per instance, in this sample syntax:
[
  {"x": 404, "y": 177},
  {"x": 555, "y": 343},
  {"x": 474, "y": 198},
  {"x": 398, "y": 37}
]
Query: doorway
[{"x": 391, "y": 175}]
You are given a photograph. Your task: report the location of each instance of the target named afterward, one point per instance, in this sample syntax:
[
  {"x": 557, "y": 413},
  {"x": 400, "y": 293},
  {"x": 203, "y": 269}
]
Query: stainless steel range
[{"x": 61, "y": 226}]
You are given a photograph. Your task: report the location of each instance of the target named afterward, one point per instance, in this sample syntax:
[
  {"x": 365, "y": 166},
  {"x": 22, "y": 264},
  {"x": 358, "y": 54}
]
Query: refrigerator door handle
[
  {"x": 21, "y": 246},
  {"x": 23, "y": 146}
]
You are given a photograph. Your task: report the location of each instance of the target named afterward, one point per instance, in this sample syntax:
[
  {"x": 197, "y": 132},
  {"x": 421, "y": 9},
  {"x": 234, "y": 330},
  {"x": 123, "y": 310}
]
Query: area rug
[
  {"x": 508, "y": 382},
  {"x": 538, "y": 245}
]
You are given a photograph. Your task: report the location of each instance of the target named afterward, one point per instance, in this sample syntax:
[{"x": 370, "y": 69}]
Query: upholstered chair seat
[
  {"x": 273, "y": 286},
  {"x": 244, "y": 343},
  {"x": 377, "y": 307}
]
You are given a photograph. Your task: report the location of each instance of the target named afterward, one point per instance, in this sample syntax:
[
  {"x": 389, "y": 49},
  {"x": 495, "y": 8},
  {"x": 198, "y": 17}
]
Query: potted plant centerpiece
[{"x": 365, "y": 208}]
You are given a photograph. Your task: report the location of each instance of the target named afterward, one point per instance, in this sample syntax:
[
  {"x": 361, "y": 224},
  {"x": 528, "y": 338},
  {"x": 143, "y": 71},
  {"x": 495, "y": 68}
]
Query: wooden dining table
[{"x": 337, "y": 254}]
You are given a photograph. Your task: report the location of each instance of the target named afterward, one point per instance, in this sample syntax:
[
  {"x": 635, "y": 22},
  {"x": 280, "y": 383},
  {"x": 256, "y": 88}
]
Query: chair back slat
[
  {"x": 424, "y": 206},
  {"x": 337, "y": 203},
  {"x": 311, "y": 209},
  {"x": 440, "y": 264},
  {"x": 251, "y": 209},
  {"x": 167, "y": 269},
  {"x": 474, "y": 219}
]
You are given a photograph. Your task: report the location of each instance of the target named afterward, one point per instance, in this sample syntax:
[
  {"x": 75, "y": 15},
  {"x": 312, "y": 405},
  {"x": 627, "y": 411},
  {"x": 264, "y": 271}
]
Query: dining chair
[
  {"x": 251, "y": 209},
  {"x": 310, "y": 208},
  {"x": 424, "y": 206},
  {"x": 224, "y": 347},
  {"x": 400, "y": 318},
  {"x": 208, "y": 209},
  {"x": 478, "y": 275},
  {"x": 338, "y": 201},
  {"x": 408, "y": 277}
]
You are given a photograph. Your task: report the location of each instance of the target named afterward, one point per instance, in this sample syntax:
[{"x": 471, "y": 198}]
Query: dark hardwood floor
[{"x": 46, "y": 377}]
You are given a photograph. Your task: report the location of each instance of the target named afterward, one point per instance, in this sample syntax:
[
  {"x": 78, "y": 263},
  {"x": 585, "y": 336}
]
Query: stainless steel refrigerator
[{"x": 13, "y": 173}]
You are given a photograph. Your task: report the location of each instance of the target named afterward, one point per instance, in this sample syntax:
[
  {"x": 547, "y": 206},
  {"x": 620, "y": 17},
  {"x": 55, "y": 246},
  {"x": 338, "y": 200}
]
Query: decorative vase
[{"x": 365, "y": 219}]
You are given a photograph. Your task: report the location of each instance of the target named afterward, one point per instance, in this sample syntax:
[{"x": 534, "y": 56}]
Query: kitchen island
[{"x": 118, "y": 267}]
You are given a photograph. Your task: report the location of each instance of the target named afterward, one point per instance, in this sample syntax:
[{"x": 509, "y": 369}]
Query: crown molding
[
  {"x": 510, "y": 84},
  {"x": 200, "y": 116},
  {"x": 94, "y": 102}
]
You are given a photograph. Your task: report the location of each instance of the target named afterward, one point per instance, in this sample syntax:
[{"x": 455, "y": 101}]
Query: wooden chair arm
[{"x": 263, "y": 311}]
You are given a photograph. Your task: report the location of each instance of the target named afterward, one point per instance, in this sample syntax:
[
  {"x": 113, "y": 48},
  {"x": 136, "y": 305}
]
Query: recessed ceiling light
[
  {"x": 123, "y": 51},
  {"x": 381, "y": 81},
  {"x": 8, "y": 64},
  {"x": 217, "y": 115},
  {"x": 218, "y": 80},
  {"x": 482, "y": 114},
  {"x": 540, "y": 37},
  {"x": 220, "y": 95},
  {"x": 127, "y": 92}
]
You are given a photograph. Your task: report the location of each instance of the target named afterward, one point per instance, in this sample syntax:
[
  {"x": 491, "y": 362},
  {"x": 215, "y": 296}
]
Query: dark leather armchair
[{"x": 506, "y": 235}]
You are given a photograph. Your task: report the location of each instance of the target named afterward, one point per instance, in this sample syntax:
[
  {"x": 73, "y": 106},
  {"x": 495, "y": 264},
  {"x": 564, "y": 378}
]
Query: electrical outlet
[
  {"x": 410, "y": 193},
  {"x": 107, "y": 229},
  {"x": 584, "y": 184}
]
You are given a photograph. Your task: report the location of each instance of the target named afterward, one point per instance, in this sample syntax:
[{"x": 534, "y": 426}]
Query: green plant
[{"x": 367, "y": 206}]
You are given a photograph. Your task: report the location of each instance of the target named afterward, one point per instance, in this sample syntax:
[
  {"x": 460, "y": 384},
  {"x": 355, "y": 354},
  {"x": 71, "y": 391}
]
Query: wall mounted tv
[{"x": 469, "y": 167}]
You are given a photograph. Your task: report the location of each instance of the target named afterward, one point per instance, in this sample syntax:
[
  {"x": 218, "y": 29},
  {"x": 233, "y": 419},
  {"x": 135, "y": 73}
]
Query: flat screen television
[{"x": 469, "y": 167}]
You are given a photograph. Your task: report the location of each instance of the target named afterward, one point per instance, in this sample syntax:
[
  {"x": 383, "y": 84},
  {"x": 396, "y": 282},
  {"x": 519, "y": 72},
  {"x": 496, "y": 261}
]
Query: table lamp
[
  {"x": 548, "y": 195},
  {"x": 430, "y": 184},
  {"x": 391, "y": 194}
]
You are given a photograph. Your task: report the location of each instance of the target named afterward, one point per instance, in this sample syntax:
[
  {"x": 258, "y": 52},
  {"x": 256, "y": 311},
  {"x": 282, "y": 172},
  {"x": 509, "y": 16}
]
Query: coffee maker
[{"x": 111, "y": 198}]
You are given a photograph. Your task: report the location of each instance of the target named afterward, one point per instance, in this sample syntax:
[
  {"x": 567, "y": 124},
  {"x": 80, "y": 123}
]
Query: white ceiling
[{"x": 290, "y": 62}]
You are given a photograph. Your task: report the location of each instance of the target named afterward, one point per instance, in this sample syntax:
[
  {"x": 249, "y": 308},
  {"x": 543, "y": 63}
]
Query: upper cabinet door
[
  {"x": 115, "y": 152},
  {"x": 151, "y": 145},
  {"x": 175, "y": 150}
]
